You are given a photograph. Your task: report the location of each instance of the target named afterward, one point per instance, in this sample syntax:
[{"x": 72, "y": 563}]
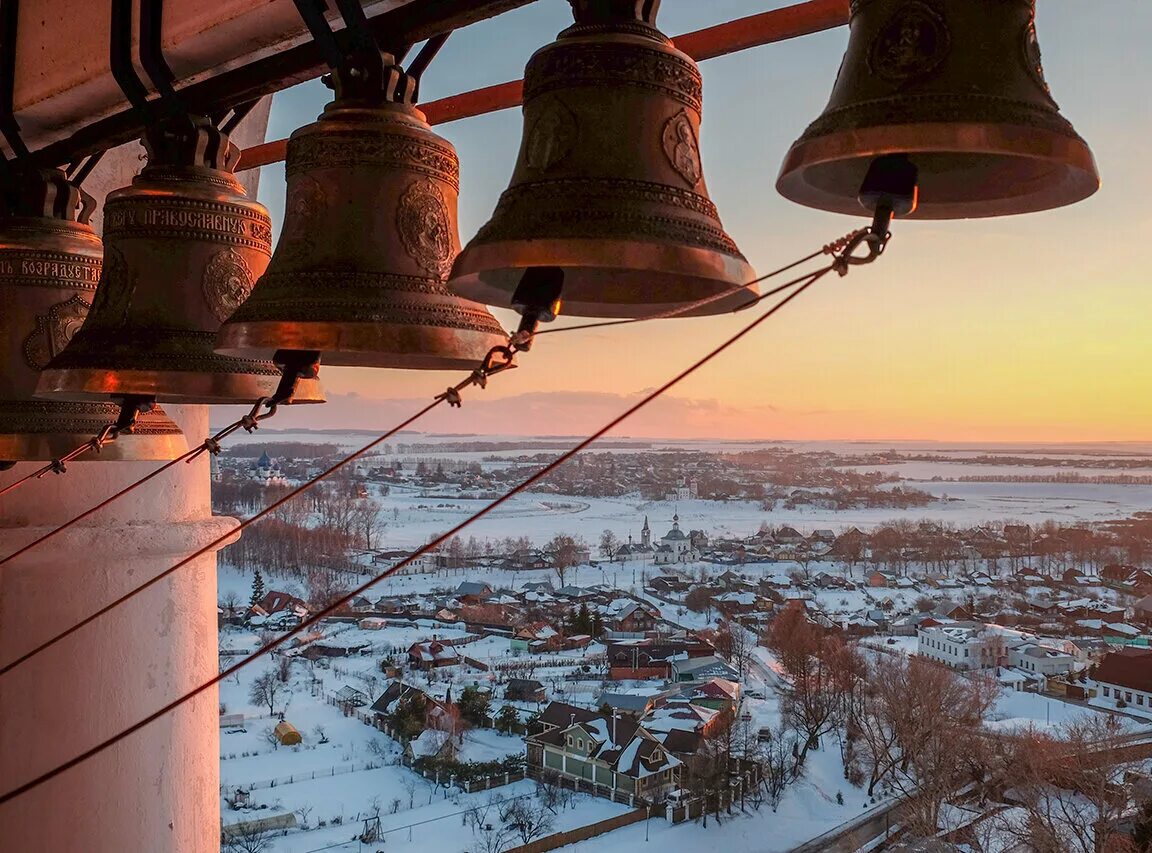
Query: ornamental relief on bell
[
  {"x": 682, "y": 149},
  {"x": 912, "y": 44},
  {"x": 227, "y": 282},
  {"x": 54, "y": 330},
  {"x": 425, "y": 227},
  {"x": 116, "y": 290},
  {"x": 552, "y": 136}
]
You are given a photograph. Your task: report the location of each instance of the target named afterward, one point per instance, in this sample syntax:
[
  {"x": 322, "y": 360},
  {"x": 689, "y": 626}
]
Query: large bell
[
  {"x": 608, "y": 185},
  {"x": 369, "y": 235},
  {"x": 49, "y": 266},
  {"x": 182, "y": 247},
  {"x": 957, "y": 86}
]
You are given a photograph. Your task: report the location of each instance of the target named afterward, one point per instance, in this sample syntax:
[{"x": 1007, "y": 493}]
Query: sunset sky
[{"x": 1025, "y": 328}]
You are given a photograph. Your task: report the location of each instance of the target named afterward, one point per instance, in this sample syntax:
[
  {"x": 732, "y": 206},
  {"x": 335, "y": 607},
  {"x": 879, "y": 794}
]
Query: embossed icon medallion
[
  {"x": 227, "y": 283},
  {"x": 425, "y": 227},
  {"x": 681, "y": 148},
  {"x": 552, "y": 137},
  {"x": 305, "y": 203},
  {"x": 115, "y": 291},
  {"x": 54, "y": 330},
  {"x": 913, "y": 43}
]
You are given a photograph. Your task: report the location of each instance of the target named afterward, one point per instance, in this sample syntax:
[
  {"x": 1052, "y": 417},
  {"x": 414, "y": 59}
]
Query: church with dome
[{"x": 675, "y": 546}]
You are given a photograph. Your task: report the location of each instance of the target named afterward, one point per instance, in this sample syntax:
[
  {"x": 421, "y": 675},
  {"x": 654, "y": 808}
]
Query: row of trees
[{"x": 911, "y": 728}]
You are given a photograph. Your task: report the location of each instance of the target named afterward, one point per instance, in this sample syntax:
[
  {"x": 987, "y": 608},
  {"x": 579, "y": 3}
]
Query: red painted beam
[{"x": 790, "y": 22}]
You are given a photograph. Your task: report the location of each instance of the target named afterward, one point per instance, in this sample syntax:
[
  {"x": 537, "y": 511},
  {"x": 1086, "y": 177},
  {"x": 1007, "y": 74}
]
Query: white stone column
[{"x": 158, "y": 790}]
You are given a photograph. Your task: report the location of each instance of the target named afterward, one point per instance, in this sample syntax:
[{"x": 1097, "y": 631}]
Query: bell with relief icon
[
  {"x": 369, "y": 235},
  {"x": 182, "y": 247},
  {"x": 608, "y": 186},
  {"x": 957, "y": 87},
  {"x": 49, "y": 266}
]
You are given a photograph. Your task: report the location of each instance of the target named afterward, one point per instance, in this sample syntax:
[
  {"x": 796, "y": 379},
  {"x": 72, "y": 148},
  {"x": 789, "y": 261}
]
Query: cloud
[{"x": 565, "y": 413}]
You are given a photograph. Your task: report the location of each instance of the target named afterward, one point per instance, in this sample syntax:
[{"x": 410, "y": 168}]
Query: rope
[
  {"x": 212, "y": 445},
  {"x": 439, "y": 540},
  {"x": 249, "y": 422},
  {"x": 829, "y": 249},
  {"x": 272, "y": 507},
  {"x": 58, "y": 466}
]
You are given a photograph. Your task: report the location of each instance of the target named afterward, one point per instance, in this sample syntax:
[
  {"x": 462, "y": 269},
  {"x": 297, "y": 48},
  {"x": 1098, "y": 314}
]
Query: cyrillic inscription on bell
[
  {"x": 958, "y": 87},
  {"x": 50, "y": 263},
  {"x": 369, "y": 236},
  {"x": 183, "y": 246},
  {"x": 609, "y": 183}
]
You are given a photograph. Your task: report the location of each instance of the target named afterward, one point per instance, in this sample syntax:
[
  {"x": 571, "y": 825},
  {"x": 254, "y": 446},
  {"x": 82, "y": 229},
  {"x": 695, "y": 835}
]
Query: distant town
[{"x": 543, "y": 682}]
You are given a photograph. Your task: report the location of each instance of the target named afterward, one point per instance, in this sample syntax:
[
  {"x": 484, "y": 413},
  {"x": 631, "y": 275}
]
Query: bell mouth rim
[
  {"x": 128, "y": 447},
  {"x": 681, "y": 266},
  {"x": 992, "y": 139},
  {"x": 186, "y": 387},
  {"x": 372, "y": 345}
]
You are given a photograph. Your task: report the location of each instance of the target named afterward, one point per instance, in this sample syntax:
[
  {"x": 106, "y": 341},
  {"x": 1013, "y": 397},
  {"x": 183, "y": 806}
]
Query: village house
[
  {"x": 637, "y": 617},
  {"x": 881, "y": 580},
  {"x": 612, "y": 752},
  {"x": 432, "y": 654},
  {"x": 1125, "y": 677},
  {"x": 473, "y": 592},
  {"x": 278, "y": 608},
  {"x": 646, "y": 659},
  {"x": 525, "y": 690},
  {"x": 534, "y": 637}
]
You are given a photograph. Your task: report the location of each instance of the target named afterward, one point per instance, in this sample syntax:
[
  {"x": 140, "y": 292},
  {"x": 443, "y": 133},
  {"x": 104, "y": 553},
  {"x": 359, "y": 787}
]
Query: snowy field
[{"x": 412, "y": 517}]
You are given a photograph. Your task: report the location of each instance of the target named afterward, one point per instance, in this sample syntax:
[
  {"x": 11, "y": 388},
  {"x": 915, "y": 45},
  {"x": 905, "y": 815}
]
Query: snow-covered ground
[
  {"x": 428, "y": 819},
  {"x": 413, "y": 519}
]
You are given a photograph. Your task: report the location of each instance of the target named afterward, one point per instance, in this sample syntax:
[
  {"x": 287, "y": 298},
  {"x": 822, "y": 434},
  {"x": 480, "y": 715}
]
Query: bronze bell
[
  {"x": 49, "y": 266},
  {"x": 956, "y": 86},
  {"x": 183, "y": 246},
  {"x": 369, "y": 235},
  {"x": 608, "y": 185}
]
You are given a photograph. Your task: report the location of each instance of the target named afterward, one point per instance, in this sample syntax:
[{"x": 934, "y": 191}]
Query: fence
[
  {"x": 335, "y": 770},
  {"x": 559, "y": 839},
  {"x": 468, "y": 786},
  {"x": 584, "y": 786}
]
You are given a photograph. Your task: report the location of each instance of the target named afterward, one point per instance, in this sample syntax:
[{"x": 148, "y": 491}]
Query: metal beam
[
  {"x": 409, "y": 23},
  {"x": 777, "y": 25}
]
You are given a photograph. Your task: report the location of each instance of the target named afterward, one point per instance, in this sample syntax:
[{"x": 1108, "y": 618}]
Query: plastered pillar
[{"x": 157, "y": 791}]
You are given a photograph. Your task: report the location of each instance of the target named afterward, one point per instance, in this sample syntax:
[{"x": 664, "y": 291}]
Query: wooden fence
[{"x": 582, "y": 833}]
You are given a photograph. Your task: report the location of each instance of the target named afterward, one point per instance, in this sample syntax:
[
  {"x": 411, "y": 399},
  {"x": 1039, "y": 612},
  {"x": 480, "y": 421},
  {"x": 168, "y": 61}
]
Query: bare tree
[
  {"x": 491, "y": 834},
  {"x": 1067, "y": 786},
  {"x": 609, "y": 543},
  {"x": 408, "y": 783},
  {"x": 246, "y": 839},
  {"x": 529, "y": 819},
  {"x": 266, "y": 689},
  {"x": 905, "y": 728},
  {"x": 565, "y": 550},
  {"x": 777, "y": 764}
]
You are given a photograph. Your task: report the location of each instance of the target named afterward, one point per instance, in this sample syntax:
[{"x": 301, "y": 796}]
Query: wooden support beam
[{"x": 777, "y": 25}]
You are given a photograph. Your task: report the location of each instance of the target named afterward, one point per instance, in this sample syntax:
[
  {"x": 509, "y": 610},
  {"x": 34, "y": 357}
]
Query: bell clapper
[
  {"x": 538, "y": 299},
  {"x": 890, "y": 189}
]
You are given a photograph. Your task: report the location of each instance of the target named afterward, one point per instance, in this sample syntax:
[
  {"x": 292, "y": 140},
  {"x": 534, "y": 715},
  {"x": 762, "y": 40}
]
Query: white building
[
  {"x": 963, "y": 646},
  {"x": 968, "y": 646},
  {"x": 1040, "y": 659},
  {"x": 675, "y": 546}
]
